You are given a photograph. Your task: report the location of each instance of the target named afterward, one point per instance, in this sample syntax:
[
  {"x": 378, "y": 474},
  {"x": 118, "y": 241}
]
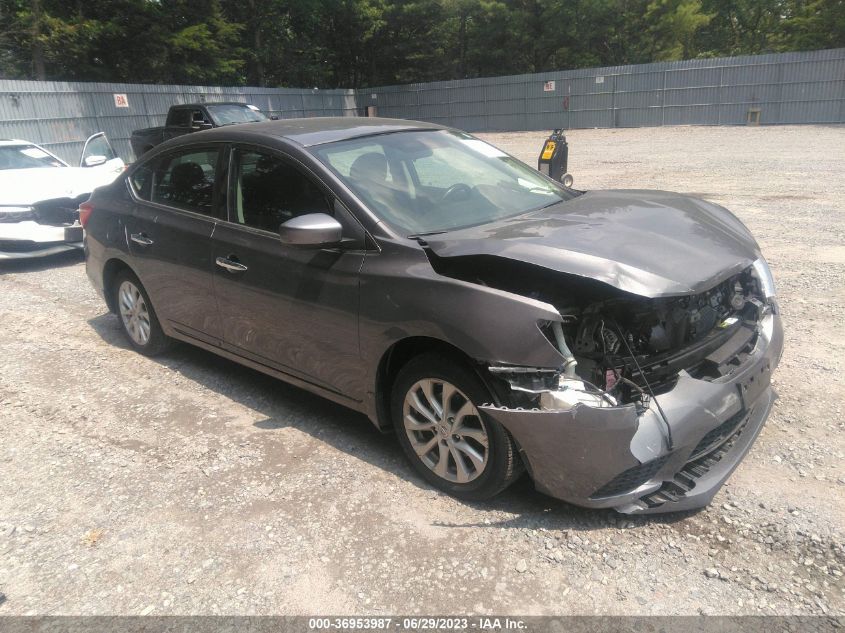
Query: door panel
[
  {"x": 172, "y": 254},
  {"x": 97, "y": 145},
  {"x": 169, "y": 237},
  {"x": 294, "y": 309}
]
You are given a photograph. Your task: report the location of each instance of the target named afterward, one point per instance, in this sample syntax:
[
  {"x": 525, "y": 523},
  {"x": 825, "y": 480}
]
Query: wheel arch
[
  {"x": 401, "y": 352},
  {"x": 110, "y": 271}
]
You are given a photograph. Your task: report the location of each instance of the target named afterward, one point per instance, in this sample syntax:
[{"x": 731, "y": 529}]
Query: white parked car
[{"x": 40, "y": 195}]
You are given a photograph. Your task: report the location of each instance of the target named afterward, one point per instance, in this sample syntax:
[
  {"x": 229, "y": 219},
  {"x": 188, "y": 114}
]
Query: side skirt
[{"x": 270, "y": 371}]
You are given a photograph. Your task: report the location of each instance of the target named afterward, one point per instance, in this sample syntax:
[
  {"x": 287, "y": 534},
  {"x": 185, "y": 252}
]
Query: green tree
[
  {"x": 813, "y": 24},
  {"x": 358, "y": 43},
  {"x": 204, "y": 44},
  {"x": 741, "y": 27},
  {"x": 672, "y": 27}
]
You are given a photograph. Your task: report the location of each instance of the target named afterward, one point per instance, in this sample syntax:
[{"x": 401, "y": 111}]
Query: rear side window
[{"x": 184, "y": 180}]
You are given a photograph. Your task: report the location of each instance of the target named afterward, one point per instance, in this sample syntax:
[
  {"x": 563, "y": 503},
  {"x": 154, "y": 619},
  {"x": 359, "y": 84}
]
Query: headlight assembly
[
  {"x": 16, "y": 214},
  {"x": 764, "y": 278}
]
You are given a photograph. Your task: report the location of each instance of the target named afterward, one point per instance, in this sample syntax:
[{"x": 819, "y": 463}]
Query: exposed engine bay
[
  {"x": 622, "y": 348},
  {"x": 58, "y": 212},
  {"x": 634, "y": 347},
  {"x": 42, "y": 228}
]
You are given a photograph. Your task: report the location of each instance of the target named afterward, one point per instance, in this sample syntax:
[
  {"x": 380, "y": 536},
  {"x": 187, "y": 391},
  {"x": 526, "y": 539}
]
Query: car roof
[
  {"x": 209, "y": 103},
  {"x": 6, "y": 142},
  {"x": 311, "y": 131}
]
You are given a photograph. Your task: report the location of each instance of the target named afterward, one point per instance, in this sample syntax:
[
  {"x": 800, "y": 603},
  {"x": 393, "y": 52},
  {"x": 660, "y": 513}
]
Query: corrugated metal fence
[
  {"x": 772, "y": 89},
  {"x": 61, "y": 115}
]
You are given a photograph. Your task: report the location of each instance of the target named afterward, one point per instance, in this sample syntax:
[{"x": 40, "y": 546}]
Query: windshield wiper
[
  {"x": 427, "y": 234},
  {"x": 551, "y": 204}
]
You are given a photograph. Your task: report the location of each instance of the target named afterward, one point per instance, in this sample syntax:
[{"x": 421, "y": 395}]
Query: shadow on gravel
[
  {"x": 350, "y": 432},
  {"x": 36, "y": 264}
]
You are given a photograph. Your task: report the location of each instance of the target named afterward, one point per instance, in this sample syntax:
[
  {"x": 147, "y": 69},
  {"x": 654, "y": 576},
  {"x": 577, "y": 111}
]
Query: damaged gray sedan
[{"x": 616, "y": 345}]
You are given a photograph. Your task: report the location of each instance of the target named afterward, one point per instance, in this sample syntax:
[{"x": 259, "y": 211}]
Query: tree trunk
[
  {"x": 37, "y": 46},
  {"x": 258, "y": 74},
  {"x": 462, "y": 43}
]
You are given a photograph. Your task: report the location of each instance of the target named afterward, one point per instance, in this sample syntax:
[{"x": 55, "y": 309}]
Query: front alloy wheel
[
  {"x": 434, "y": 408},
  {"x": 445, "y": 430}
]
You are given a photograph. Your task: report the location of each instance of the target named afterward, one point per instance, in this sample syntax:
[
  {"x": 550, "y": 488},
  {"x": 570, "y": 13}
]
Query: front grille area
[
  {"x": 11, "y": 217},
  {"x": 725, "y": 361},
  {"x": 718, "y": 435},
  {"x": 630, "y": 479},
  {"x": 685, "y": 479},
  {"x": 58, "y": 212}
]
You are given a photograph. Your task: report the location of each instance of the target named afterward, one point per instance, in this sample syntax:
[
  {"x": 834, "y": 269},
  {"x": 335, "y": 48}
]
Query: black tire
[
  {"x": 502, "y": 466},
  {"x": 156, "y": 342}
]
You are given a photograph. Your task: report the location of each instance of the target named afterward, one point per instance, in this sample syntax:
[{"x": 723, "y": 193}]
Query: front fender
[{"x": 402, "y": 296}]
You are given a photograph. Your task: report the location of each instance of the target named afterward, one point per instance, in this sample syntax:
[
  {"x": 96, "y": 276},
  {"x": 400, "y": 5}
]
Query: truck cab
[{"x": 193, "y": 117}]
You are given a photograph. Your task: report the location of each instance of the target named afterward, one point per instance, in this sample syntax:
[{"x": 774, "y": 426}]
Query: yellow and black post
[{"x": 554, "y": 158}]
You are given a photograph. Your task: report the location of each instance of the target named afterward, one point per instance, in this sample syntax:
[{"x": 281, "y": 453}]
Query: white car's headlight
[
  {"x": 4, "y": 209},
  {"x": 16, "y": 213},
  {"x": 764, "y": 277}
]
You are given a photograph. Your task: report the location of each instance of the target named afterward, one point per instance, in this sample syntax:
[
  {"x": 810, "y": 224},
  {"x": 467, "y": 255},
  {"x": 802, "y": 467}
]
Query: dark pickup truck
[{"x": 193, "y": 117}]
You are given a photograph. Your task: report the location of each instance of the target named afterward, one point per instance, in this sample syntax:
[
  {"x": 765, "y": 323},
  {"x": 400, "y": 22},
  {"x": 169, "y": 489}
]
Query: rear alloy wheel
[
  {"x": 134, "y": 313},
  {"x": 137, "y": 316},
  {"x": 444, "y": 435}
]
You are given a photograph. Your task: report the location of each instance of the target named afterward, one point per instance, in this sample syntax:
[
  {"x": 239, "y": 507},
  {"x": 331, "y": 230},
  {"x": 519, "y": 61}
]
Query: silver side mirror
[
  {"x": 312, "y": 229},
  {"x": 94, "y": 161}
]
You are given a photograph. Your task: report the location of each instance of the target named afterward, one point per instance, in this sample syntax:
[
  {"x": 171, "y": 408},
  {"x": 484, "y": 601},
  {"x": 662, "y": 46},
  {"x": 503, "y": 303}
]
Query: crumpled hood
[
  {"x": 650, "y": 243},
  {"x": 28, "y": 186}
]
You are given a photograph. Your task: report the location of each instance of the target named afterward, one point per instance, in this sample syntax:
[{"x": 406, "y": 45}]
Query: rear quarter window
[{"x": 141, "y": 181}]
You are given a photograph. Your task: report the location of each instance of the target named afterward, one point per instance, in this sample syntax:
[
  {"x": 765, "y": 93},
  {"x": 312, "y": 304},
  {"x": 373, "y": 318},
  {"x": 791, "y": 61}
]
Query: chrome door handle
[
  {"x": 140, "y": 238},
  {"x": 231, "y": 266}
]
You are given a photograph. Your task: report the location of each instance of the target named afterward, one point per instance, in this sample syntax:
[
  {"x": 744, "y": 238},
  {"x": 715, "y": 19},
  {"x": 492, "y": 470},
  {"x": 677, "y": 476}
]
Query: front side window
[
  {"x": 438, "y": 180},
  {"x": 270, "y": 191},
  {"x": 98, "y": 145},
  {"x": 184, "y": 180},
  {"x": 198, "y": 118}
]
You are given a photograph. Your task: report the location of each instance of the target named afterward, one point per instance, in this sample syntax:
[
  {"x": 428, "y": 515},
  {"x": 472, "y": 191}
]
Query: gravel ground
[{"x": 188, "y": 484}]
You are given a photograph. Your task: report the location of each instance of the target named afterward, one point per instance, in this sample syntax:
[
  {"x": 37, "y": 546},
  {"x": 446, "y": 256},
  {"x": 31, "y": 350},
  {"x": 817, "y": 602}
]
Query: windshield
[
  {"x": 26, "y": 157},
  {"x": 432, "y": 181},
  {"x": 232, "y": 113}
]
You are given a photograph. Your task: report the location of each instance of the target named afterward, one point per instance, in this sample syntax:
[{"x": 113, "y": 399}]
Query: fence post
[
  {"x": 613, "y": 103},
  {"x": 719, "y": 97}
]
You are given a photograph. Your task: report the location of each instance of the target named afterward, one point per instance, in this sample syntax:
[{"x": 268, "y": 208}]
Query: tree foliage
[{"x": 356, "y": 43}]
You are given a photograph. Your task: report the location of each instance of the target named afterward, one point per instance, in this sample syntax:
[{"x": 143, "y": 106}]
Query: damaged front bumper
[
  {"x": 619, "y": 457},
  {"x": 30, "y": 239}
]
